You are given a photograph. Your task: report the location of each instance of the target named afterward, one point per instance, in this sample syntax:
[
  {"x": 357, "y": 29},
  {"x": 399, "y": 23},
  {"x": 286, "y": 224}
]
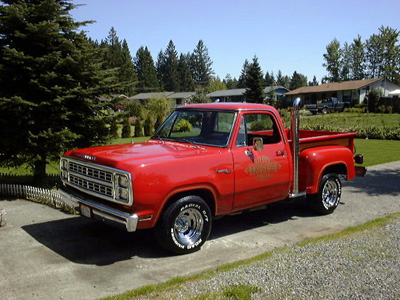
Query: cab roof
[{"x": 228, "y": 106}]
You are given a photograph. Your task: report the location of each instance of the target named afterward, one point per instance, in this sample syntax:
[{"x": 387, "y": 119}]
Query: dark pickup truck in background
[{"x": 327, "y": 105}]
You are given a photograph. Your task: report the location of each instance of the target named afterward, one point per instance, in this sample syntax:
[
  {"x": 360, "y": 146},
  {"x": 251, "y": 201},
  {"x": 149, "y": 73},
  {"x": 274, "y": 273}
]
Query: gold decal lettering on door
[{"x": 263, "y": 168}]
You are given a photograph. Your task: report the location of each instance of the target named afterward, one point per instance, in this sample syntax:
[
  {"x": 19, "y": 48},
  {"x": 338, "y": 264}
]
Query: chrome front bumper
[{"x": 103, "y": 213}]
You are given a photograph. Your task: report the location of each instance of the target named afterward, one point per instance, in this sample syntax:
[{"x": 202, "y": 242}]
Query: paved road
[{"x": 45, "y": 254}]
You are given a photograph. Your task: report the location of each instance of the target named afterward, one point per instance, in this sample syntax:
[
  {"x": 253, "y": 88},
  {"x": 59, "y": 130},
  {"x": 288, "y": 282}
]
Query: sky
[{"x": 284, "y": 35}]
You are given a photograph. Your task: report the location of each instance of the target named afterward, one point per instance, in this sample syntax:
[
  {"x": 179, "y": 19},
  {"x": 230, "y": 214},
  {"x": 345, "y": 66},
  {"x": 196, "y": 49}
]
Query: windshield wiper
[
  {"x": 157, "y": 136},
  {"x": 185, "y": 140}
]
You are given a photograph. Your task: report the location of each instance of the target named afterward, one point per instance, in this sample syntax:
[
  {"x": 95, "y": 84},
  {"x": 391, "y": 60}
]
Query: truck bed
[{"x": 314, "y": 138}]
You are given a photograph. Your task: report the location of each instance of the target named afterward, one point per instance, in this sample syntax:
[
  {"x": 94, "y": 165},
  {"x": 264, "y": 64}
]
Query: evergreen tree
[
  {"x": 282, "y": 80},
  {"x": 254, "y": 83},
  {"x": 117, "y": 56},
  {"x": 113, "y": 53},
  {"x": 229, "y": 82},
  {"x": 171, "y": 75},
  {"x": 127, "y": 73},
  {"x": 333, "y": 60},
  {"x": 269, "y": 79},
  {"x": 148, "y": 126},
  {"x": 243, "y": 75},
  {"x": 314, "y": 82},
  {"x": 161, "y": 69},
  {"x": 298, "y": 80},
  {"x": 201, "y": 65},
  {"x": 50, "y": 79},
  {"x": 126, "y": 129},
  {"x": 147, "y": 73},
  {"x": 185, "y": 74}
]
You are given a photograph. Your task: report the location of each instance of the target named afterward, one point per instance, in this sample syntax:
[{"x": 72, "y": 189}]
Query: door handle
[{"x": 280, "y": 153}]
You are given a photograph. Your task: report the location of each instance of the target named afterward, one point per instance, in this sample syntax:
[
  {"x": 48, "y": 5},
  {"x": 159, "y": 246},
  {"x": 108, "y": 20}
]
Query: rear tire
[
  {"x": 328, "y": 196},
  {"x": 184, "y": 226}
]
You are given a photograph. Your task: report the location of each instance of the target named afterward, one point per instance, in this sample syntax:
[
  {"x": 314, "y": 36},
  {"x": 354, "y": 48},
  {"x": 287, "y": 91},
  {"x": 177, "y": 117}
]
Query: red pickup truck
[{"x": 208, "y": 160}]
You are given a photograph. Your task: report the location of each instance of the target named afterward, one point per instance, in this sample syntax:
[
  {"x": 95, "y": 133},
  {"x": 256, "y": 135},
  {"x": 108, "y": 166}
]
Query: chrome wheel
[
  {"x": 188, "y": 226},
  {"x": 330, "y": 194},
  {"x": 328, "y": 197},
  {"x": 184, "y": 225}
]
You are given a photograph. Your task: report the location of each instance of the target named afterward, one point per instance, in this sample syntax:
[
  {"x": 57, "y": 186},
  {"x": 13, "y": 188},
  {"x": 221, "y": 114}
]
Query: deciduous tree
[{"x": 332, "y": 62}]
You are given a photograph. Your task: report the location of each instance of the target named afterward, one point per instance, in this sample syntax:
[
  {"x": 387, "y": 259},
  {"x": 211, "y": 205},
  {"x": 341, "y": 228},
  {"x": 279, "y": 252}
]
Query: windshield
[{"x": 211, "y": 128}]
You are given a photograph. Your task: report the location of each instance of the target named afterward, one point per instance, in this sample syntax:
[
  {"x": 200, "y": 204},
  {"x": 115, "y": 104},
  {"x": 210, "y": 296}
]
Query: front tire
[
  {"x": 185, "y": 225},
  {"x": 329, "y": 194}
]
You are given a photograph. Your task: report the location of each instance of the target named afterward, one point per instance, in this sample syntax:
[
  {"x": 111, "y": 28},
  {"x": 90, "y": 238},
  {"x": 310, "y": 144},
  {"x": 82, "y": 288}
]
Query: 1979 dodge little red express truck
[{"x": 208, "y": 160}]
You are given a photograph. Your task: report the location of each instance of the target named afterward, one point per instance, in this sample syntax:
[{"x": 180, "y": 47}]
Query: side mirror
[{"x": 258, "y": 144}]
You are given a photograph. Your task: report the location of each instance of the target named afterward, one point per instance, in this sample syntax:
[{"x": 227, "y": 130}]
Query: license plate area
[{"x": 86, "y": 211}]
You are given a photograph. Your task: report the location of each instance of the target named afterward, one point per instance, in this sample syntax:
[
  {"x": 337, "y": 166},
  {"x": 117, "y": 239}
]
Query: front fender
[{"x": 314, "y": 162}]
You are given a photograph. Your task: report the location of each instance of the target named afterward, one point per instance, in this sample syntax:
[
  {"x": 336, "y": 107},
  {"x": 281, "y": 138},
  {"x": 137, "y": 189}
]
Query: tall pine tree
[
  {"x": 147, "y": 73},
  {"x": 171, "y": 72},
  {"x": 254, "y": 83},
  {"x": 201, "y": 65},
  {"x": 50, "y": 80},
  {"x": 185, "y": 75}
]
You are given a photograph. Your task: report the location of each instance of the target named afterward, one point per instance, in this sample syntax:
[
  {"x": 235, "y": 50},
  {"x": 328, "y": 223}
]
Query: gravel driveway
[{"x": 364, "y": 265}]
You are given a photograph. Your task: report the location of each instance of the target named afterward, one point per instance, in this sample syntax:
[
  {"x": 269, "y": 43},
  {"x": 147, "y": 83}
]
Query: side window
[{"x": 258, "y": 126}]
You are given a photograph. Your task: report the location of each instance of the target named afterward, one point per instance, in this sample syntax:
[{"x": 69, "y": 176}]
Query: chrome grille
[
  {"x": 91, "y": 186},
  {"x": 97, "y": 180},
  {"x": 90, "y": 172}
]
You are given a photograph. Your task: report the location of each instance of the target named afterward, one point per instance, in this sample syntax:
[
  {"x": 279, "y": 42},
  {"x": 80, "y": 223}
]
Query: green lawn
[{"x": 378, "y": 151}]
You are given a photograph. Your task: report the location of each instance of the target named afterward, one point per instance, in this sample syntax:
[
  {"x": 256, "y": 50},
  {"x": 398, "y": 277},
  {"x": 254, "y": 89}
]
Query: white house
[{"x": 353, "y": 91}]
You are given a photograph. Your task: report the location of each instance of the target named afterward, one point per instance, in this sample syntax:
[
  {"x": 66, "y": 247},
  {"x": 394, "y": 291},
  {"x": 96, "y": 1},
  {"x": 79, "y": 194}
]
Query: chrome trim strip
[{"x": 113, "y": 215}]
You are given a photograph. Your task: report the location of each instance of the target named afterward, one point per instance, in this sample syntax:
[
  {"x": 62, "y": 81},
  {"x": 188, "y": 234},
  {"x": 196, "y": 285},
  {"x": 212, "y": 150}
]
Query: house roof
[
  {"x": 182, "y": 95},
  {"x": 334, "y": 86},
  {"x": 274, "y": 87},
  {"x": 144, "y": 96},
  {"x": 227, "y": 93},
  {"x": 240, "y": 92}
]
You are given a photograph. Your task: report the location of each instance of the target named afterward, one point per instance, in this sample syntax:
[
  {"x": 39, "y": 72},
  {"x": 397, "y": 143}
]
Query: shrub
[
  {"x": 382, "y": 109},
  {"x": 148, "y": 126},
  {"x": 373, "y": 100},
  {"x": 184, "y": 126},
  {"x": 126, "y": 129},
  {"x": 138, "y": 128}
]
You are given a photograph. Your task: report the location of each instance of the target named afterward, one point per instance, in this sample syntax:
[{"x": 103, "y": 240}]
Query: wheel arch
[{"x": 324, "y": 160}]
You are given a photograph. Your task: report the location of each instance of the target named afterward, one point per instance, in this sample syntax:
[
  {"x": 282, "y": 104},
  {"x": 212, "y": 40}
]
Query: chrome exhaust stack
[{"x": 295, "y": 129}]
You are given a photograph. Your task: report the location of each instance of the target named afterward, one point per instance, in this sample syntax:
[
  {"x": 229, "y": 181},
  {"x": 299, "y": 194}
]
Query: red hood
[{"x": 120, "y": 156}]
